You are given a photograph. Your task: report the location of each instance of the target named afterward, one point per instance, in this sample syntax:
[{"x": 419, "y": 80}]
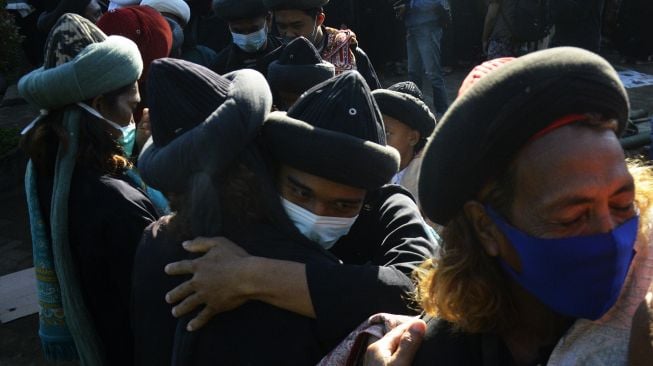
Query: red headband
[{"x": 560, "y": 122}]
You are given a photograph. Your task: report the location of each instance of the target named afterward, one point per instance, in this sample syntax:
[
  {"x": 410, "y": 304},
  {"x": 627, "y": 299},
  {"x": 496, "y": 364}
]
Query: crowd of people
[{"x": 273, "y": 204}]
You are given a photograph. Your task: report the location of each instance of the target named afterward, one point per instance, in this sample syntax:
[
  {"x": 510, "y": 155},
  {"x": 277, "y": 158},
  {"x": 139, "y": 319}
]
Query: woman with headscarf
[{"x": 86, "y": 216}]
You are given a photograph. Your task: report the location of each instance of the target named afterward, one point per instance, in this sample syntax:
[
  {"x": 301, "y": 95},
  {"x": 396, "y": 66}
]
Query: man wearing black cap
[
  {"x": 295, "y": 18},
  {"x": 252, "y": 44},
  {"x": 339, "y": 205},
  {"x": 298, "y": 69},
  {"x": 547, "y": 224}
]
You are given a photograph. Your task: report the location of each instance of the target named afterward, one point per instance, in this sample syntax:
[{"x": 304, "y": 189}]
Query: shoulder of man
[
  {"x": 378, "y": 197},
  {"x": 336, "y": 38}
]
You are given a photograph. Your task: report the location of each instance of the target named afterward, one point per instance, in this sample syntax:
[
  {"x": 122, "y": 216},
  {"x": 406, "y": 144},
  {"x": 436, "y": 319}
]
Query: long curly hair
[
  {"x": 97, "y": 150},
  {"x": 467, "y": 287}
]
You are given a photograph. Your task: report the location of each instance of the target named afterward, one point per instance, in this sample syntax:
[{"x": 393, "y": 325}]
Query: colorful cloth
[
  {"x": 339, "y": 49},
  {"x": 57, "y": 282},
  {"x": 352, "y": 347}
]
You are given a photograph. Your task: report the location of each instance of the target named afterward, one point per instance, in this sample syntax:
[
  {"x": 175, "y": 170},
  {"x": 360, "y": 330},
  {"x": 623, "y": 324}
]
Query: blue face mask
[
  {"x": 128, "y": 138},
  {"x": 251, "y": 42},
  {"x": 580, "y": 277}
]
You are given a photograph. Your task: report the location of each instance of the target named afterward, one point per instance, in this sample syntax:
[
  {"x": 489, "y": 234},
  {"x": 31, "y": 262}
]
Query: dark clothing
[
  {"x": 444, "y": 346},
  {"x": 261, "y": 334},
  {"x": 232, "y": 58},
  {"x": 577, "y": 23},
  {"x": 107, "y": 216},
  {"x": 630, "y": 38},
  {"x": 254, "y": 333},
  {"x": 385, "y": 244},
  {"x": 380, "y": 31}
]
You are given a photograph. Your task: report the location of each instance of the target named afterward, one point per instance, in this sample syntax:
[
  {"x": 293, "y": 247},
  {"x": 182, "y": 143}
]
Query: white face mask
[
  {"x": 251, "y": 42},
  {"x": 324, "y": 230},
  {"x": 128, "y": 137}
]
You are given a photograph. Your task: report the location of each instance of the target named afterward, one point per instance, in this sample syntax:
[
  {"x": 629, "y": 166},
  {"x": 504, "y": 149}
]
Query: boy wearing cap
[
  {"x": 295, "y": 18},
  {"x": 252, "y": 44},
  {"x": 408, "y": 124},
  {"x": 331, "y": 165}
]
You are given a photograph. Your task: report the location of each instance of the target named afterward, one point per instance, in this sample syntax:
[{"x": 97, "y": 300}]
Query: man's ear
[
  {"x": 320, "y": 19},
  {"x": 485, "y": 230},
  {"x": 413, "y": 138}
]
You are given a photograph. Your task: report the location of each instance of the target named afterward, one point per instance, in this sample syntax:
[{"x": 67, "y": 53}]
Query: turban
[
  {"x": 178, "y": 8},
  {"x": 239, "y": 9},
  {"x": 68, "y": 37},
  {"x": 98, "y": 69},
  {"x": 143, "y": 25}
]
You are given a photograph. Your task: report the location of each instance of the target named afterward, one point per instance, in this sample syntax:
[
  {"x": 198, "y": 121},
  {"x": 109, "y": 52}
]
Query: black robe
[{"x": 107, "y": 215}]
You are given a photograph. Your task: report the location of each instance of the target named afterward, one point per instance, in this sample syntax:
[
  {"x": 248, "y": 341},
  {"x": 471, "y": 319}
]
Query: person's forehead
[
  {"x": 255, "y": 21},
  {"x": 291, "y": 16},
  {"x": 573, "y": 158},
  {"x": 392, "y": 122},
  {"x": 321, "y": 187}
]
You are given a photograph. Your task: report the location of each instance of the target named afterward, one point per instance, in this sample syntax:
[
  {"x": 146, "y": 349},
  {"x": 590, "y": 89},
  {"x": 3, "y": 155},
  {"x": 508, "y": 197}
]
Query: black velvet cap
[
  {"x": 334, "y": 131},
  {"x": 407, "y": 87},
  {"x": 181, "y": 95},
  {"x": 485, "y": 127},
  {"x": 294, "y": 4},
  {"x": 406, "y": 109},
  {"x": 239, "y": 9},
  {"x": 298, "y": 68}
]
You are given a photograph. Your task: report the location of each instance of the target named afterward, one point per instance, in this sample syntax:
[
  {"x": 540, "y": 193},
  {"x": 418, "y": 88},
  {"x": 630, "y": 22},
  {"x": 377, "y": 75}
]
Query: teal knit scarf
[{"x": 65, "y": 325}]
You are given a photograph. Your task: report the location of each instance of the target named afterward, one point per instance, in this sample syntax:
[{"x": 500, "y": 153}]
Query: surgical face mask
[
  {"x": 324, "y": 230},
  {"x": 128, "y": 138},
  {"x": 581, "y": 276},
  {"x": 251, "y": 42}
]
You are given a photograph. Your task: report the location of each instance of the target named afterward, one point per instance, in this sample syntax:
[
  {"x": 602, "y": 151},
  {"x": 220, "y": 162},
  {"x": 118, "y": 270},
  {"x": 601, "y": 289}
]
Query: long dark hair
[
  {"x": 228, "y": 202},
  {"x": 98, "y": 149}
]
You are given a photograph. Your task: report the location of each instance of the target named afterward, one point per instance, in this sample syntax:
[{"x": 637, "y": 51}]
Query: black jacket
[
  {"x": 107, "y": 216},
  {"x": 387, "y": 242},
  {"x": 445, "y": 346},
  {"x": 232, "y": 58},
  {"x": 257, "y": 333}
]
